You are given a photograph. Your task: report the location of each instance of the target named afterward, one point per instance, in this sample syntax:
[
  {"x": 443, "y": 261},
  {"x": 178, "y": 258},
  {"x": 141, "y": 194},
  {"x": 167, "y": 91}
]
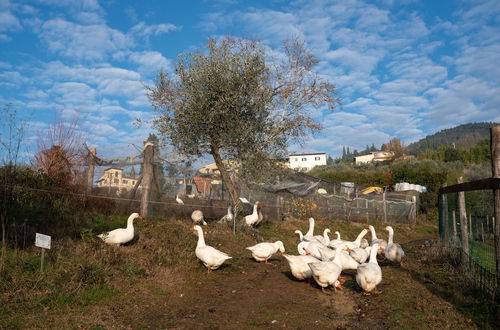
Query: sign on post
[{"x": 42, "y": 241}]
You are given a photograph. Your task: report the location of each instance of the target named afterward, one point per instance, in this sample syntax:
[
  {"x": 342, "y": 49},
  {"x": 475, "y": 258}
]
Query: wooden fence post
[
  {"x": 495, "y": 166},
  {"x": 444, "y": 212},
  {"x": 384, "y": 207},
  {"x": 90, "y": 169},
  {"x": 454, "y": 228},
  {"x": 471, "y": 231},
  {"x": 147, "y": 177},
  {"x": 414, "y": 210},
  {"x": 463, "y": 224}
]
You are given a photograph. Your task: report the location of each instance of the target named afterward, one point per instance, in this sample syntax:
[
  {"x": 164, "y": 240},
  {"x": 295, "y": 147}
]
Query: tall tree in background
[
  {"x": 396, "y": 146},
  {"x": 61, "y": 152},
  {"x": 234, "y": 102}
]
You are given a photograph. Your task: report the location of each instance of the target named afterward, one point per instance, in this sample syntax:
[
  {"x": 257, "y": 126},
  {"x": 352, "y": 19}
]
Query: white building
[{"x": 305, "y": 162}]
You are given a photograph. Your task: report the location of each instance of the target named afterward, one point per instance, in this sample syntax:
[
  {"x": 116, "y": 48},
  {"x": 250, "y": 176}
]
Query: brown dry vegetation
[{"x": 157, "y": 282}]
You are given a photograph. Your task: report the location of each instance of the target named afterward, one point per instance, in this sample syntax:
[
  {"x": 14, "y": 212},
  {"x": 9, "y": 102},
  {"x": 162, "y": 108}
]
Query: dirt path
[{"x": 255, "y": 295}]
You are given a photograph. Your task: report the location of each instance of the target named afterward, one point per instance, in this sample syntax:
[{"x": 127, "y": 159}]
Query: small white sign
[
  {"x": 42, "y": 241},
  {"x": 244, "y": 200}
]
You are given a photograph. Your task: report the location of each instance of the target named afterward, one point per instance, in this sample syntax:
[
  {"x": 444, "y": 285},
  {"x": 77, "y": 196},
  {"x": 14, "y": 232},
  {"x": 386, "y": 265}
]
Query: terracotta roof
[{"x": 202, "y": 183}]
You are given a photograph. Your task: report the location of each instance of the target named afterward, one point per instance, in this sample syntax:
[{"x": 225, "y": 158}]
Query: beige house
[
  {"x": 113, "y": 178},
  {"x": 376, "y": 156},
  {"x": 213, "y": 170}
]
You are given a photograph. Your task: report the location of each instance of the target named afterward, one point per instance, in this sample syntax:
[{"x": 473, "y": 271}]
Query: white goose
[
  {"x": 209, "y": 256},
  {"x": 369, "y": 274},
  {"x": 394, "y": 252},
  {"x": 354, "y": 244},
  {"x": 299, "y": 265},
  {"x": 263, "y": 251},
  {"x": 179, "y": 200},
  {"x": 121, "y": 235},
  {"x": 326, "y": 273},
  {"x": 310, "y": 248},
  {"x": 335, "y": 241},
  {"x": 360, "y": 254},
  {"x": 364, "y": 243},
  {"x": 252, "y": 219},
  {"x": 382, "y": 244},
  {"x": 197, "y": 217},
  {"x": 309, "y": 236},
  {"x": 229, "y": 215},
  {"x": 325, "y": 239}
]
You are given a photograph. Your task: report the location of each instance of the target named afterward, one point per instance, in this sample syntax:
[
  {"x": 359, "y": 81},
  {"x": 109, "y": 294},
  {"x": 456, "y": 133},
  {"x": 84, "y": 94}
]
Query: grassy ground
[{"x": 157, "y": 282}]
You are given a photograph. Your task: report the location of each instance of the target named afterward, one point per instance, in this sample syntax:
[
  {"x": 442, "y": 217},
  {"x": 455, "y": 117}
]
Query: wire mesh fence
[{"x": 471, "y": 230}]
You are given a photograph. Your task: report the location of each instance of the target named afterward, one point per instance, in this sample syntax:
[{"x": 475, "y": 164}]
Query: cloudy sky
[{"x": 403, "y": 68}]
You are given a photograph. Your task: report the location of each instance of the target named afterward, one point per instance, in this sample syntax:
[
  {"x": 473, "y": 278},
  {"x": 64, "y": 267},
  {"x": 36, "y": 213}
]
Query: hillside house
[
  {"x": 376, "y": 156},
  {"x": 113, "y": 178},
  {"x": 305, "y": 162}
]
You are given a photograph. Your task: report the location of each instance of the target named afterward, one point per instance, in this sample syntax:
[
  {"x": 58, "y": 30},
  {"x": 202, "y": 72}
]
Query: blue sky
[{"x": 403, "y": 68}]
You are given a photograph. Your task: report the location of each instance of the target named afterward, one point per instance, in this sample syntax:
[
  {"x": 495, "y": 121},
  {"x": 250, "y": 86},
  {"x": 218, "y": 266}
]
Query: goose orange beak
[{"x": 139, "y": 217}]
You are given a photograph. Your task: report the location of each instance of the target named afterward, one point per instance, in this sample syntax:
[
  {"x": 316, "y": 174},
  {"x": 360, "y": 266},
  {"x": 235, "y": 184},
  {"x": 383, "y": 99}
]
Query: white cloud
[
  {"x": 351, "y": 59},
  {"x": 74, "y": 93},
  {"x": 8, "y": 22},
  {"x": 150, "y": 61},
  {"x": 82, "y": 42},
  {"x": 143, "y": 30}
]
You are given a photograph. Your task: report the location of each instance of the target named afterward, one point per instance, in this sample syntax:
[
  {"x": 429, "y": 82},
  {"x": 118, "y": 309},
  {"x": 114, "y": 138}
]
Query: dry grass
[{"x": 91, "y": 285}]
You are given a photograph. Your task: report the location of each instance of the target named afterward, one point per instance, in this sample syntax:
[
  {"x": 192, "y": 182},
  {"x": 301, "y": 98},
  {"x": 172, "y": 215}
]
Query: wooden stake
[
  {"x": 42, "y": 260},
  {"x": 454, "y": 228},
  {"x": 147, "y": 177},
  {"x": 463, "y": 223},
  {"x": 495, "y": 166}
]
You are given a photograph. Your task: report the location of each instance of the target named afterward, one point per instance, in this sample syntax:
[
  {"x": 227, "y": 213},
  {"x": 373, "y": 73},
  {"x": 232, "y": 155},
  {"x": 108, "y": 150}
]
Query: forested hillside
[{"x": 463, "y": 136}]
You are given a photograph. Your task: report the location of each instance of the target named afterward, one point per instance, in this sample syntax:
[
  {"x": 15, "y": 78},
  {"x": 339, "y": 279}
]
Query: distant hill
[{"x": 463, "y": 136}]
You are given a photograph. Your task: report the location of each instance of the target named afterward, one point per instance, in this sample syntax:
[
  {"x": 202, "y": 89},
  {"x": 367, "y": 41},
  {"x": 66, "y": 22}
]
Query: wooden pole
[
  {"x": 454, "y": 228},
  {"x": 471, "y": 231},
  {"x": 90, "y": 169},
  {"x": 43, "y": 259},
  {"x": 147, "y": 177},
  {"x": 444, "y": 212},
  {"x": 384, "y": 206},
  {"x": 464, "y": 231},
  {"x": 495, "y": 167},
  {"x": 414, "y": 210},
  {"x": 367, "y": 214}
]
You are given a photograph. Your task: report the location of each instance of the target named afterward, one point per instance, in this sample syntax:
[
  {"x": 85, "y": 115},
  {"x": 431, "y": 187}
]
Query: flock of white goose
[{"x": 320, "y": 258}]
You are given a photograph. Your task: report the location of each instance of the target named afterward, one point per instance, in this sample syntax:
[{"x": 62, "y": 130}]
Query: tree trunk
[{"x": 225, "y": 174}]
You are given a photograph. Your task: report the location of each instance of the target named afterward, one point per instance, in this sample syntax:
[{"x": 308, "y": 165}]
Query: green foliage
[
  {"x": 477, "y": 154},
  {"x": 463, "y": 136},
  {"x": 236, "y": 102}
]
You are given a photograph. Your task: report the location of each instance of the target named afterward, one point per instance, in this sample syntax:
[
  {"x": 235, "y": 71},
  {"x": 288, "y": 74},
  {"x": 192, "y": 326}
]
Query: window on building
[
  {"x": 116, "y": 181},
  {"x": 317, "y": 158},
  {"x": 125, "y": 181},
  {"x": 116, "y": 174},
  {"x": 304, "y": 159}
]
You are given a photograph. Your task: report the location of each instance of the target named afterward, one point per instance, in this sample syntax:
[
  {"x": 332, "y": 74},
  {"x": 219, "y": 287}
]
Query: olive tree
[{"x": 235, "y": 101}]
